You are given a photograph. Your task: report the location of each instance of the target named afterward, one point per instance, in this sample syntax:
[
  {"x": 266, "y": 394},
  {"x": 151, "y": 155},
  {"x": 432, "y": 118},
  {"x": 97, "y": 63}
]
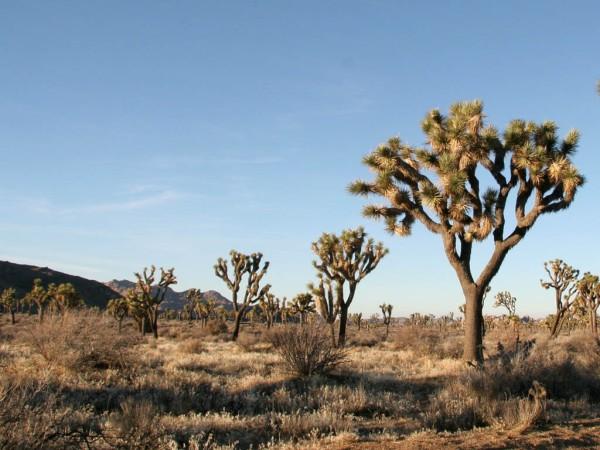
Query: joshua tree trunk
[
  {"x": 343, "y": 322},
  {"x": 594, "y": 322},
  {"x": 387, "y": 330},
  {"x": 473, "y": 350},
  {"x": 12, "y": 316},
  {"x": 120, "y": 324},
  {"x": 555, "y": 330},
  {"x": 154, "y": 323},
  {"x": 40, "y": 314},
  {"x": 237, "y": 322}
]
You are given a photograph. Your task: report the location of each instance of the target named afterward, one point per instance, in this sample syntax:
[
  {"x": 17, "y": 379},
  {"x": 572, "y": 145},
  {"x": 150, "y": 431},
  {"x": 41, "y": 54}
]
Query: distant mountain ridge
[
  {"x": 21, "y": 276},
  {"x": 173, "y": 299},
  {"x": 95, "y": 293}
]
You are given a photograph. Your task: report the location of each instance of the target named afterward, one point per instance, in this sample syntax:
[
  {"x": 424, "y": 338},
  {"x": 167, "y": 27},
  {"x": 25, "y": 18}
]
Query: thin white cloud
[
  {"x": 127, "y": 205},
  {"x": 135, "y": 201}
]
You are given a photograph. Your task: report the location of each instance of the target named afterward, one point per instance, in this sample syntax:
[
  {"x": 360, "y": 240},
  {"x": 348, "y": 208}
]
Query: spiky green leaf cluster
[{"x": 440, "y": 185}]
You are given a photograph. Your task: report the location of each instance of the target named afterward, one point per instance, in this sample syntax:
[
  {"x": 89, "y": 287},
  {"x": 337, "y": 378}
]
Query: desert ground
[{"x": 74, "y": 381}]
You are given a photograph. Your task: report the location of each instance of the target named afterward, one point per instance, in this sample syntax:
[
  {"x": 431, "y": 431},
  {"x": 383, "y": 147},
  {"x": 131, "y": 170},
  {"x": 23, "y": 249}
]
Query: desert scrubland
[{"x": 75, "y": 381}]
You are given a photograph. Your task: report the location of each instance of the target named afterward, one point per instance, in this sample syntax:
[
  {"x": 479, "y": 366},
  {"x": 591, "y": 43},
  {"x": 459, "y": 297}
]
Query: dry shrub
[
  {"x": 366, "y": 338},
  {"x": 135, "y": 426},
  {"x": 307, "y": 350},
  {"x": 519, "y": 414},
  {"x": 80, "y": 342},
  {"x": 456, "y": 408},
  {"x": 568, "y": 368},
  {"x": 253, "y": 342},
  {"x": 217, "y": 327},
  {"x": 428, "y": 342},
  {"x": 192, "y": 346},
  {"x": 511, "y": 391},
  {"x": 32, "y": 417}
]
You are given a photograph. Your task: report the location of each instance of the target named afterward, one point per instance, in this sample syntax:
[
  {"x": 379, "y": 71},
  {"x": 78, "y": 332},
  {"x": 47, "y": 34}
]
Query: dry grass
[{"x": 78, "y": 383}]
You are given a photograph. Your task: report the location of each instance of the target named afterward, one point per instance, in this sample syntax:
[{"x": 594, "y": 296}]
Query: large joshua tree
[
  {"x": 441, "y": 186},
  {"x": 247, "y": 266},
  {"x": 563, "y": 279},
  {"x": 347, "y": 258}
]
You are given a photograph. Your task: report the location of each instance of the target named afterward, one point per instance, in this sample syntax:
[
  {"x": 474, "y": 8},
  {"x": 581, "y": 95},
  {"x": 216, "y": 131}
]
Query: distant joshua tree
[
  {"x": 441, "y": 187},
  {"x": 588, "y": 296},
  {"x": 356, "y": 319},
  {"x": 118, "y": 308},
  {"x": 302, "y": 305},
  {"x": 247, "y": 266},
  {"x": 326, "y": 303},
  {"x": 386, "y": 311},
  {"x": 506, "y": 300},
  {"x": 63, "y": 297},
  {"x": 9, "y": 302},
  {"x": 347, "y": 258},
  {"x": 563, "y": 279},
  {"x": 149, "y": 294},
  {"x": 39, "y": 297},
  {"x": 269, "y": 305}
]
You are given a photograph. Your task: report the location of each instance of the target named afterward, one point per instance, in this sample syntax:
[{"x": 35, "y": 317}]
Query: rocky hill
[
  {"x": 21, "y": 276},
  {"x": 173, "y": 299}
]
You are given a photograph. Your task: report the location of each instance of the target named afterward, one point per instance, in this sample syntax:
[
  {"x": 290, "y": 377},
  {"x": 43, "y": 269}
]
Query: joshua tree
[
  {"x": 302, "y": 305},
  {"x": 386, "y": 310},
  {"x": 62, "y": 297},
  {"x": 284, "y": 310},
  {"x": 506, "y": 300},
  {"x": 136, "y": 309},
  {"x": 9, "y": 302},
  {"x": 151, "y": 294},
  {"x": 442, "y": 187},
  {"x": 202, "y": 308},
  {"x": 193, "y": 299},
  {"x": 118, "y": 308},
  {"x": 563, "y": 279},
  {"x": 588, "y": 295},
  {"x": 346, "y": 259},
  {"x": 248, "y": 266},
  {"x": 327, "y": 305},
  {"x": 269, "y": 305},
  {"x": 39, "y": 297},
  {"x": 356, "y": 319}
]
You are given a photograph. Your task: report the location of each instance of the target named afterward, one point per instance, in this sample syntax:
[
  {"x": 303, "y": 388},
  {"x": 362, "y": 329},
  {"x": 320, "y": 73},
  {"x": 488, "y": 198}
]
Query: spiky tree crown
[
  {"x": 38, "y": 294},
  {"x": 8, "y": 298},
  {"x": 506, "y": 300},
  {"x": 326, "y": 303},
  {"x": 151, "y": 292},
  {"x": 118, "y": 307},
  {"x": 439, "y": 185},
  {"x": 350, "y": 256},
  {"x": 244, "y": 265},
  {"x": 302, "y": 304},
  {"x": 64, "y": 296},
  {"x": 588, "y": 290},
  {"x": 386, "y": 310}
]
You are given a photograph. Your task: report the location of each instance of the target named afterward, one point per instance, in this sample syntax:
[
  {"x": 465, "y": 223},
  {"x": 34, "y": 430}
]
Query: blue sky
[{"x": 134, "y": 133}]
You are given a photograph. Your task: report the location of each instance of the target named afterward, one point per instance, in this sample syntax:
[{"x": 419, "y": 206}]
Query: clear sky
[{"x": 169, "y": 132}]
